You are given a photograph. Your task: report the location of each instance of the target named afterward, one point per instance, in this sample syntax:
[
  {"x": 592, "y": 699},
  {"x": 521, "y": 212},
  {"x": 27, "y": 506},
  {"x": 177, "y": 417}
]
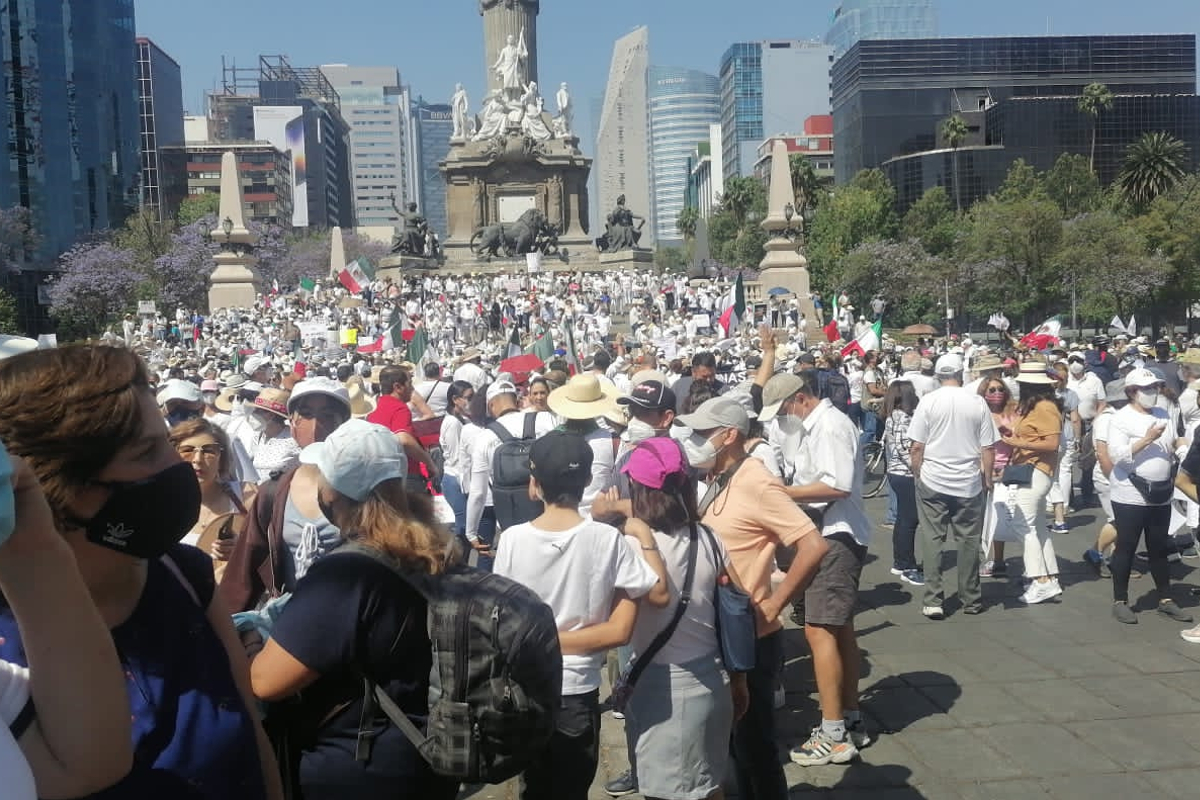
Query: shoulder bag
[
  {"x": 735, "y": 618},
  {"x": 633, "y": 671}
]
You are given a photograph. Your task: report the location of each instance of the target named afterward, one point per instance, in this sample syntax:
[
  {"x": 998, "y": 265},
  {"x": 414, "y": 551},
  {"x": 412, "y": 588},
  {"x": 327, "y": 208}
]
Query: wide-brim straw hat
[
  {"x": 361, "y": 403},
  {"x": 1189, "y": 356},
  {"x": 1034, "y": 372},
  {"x": 273, "y": 400},
  {"x": 583, "y": 397}
]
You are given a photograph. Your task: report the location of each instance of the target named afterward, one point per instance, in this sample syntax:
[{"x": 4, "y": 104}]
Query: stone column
[
  {"x": 234, "y": 283},
  {"x": 783, "y": 264},
  {"x": 502, "y": 18}
]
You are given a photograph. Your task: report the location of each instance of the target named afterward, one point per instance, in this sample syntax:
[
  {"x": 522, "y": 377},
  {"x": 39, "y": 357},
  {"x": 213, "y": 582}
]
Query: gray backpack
[{"x": 496, "y": 682}]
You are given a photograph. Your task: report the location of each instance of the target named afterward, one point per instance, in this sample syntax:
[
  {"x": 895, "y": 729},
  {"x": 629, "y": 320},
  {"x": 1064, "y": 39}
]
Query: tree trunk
[
  {"x": 1092, "y": 158},
  {"x": 957, "y": 193}
]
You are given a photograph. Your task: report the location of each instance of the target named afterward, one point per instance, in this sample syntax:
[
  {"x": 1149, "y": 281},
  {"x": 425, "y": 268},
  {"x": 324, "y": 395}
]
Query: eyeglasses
[
  {"x": 995, "y": 390},
  {"x": 326, "y": 414},
  {"x": 188, "y": 452}
]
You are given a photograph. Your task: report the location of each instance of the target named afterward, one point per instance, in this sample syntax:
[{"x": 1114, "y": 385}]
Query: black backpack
[
  {"x": 510, "y": 475},
  {"x": 496, "y": 682},
  {"x": 833, "y": 385}
]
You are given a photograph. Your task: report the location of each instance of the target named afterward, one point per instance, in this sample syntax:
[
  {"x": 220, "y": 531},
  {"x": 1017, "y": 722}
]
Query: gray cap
[
  {"x": 1114, "y": 391},
  {"x": 778, "y": 389},
  {"x": 718, "y": 412}
]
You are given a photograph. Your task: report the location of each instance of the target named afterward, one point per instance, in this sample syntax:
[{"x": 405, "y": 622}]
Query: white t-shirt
[
  {"x": 1152, "y": 463},
  {"x": 600, "y": 440},
  {"x": 576, "y": 572},
  {"x": 14, "y": 694},
  {"x": 434, "y": 394},
  {"x": 829, "y": 452},
  {"x": 483, "y": 445},
  {"x": 1100, "y": 427},
  {"x": 473, "y": 374},
  {"x": 955, "y": 425},
  {"x": 696, "y": 636}
]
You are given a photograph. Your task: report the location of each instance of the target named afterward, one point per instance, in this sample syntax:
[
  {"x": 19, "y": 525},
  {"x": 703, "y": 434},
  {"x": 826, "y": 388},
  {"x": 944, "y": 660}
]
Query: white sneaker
[
  {"x": 896, "y": 571},
  {"x": 1039, "y": 592},
  {"x": 933, "y": 612},
  {"x": 1191, "y": 635},
  {"x": 986, "y": 568}
]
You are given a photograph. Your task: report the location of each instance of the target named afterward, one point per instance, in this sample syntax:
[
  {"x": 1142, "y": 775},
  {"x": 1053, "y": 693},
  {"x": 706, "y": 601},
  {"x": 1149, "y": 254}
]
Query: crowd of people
[{"x": 670, "y": 492}]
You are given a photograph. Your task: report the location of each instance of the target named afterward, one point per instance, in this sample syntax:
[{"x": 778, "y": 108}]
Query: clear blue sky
[{"x": 438, "y": 42}]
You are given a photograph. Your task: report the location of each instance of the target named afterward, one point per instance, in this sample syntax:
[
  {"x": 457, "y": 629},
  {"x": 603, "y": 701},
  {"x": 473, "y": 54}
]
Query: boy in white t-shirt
[{"x": 590, "y": 576}]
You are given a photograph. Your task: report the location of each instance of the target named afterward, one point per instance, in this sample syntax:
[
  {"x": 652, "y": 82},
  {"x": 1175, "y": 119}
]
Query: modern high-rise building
[
  {"x": 1019, "y": 97},
  {"x": 855, "y": 20},
  {"x": 622, "y": 162},
  {"x": 382, "y": 155},
  {"x": 70, "y": 116},
  {"x": 160, "y": 112},
  {"x": 684, "y": 103},
  {"x": 769, "y": 88},
  {"x": 434, "y": 126},
  {"x": 706, "y": 179},
  {"x": 266, "y": 176}
]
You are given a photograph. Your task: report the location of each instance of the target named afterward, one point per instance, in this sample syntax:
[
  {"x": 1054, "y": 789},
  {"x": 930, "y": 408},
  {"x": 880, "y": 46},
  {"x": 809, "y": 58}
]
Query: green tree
[
  {"x": 9, "y": 318},
  {"x": 901, "y": 272},
  {"x": 722, "y": 229},
  {"x": 932, "y": 222},
  {"x": 1023, "y": 182},
  {"x": 1106, "y": 259},
  {"x": 670, "y": 259},
  {"x": 743, "y": 195},
  {"x": 1095, "y": 100},
  {"x": 807, "y": 186},
  {"x": 1073, "y": 186},
  {"x": 1153, "y": 164},
  {"x": 685, "y": 223},
  {"x": 197, "y": 206},
  {"x": 954, "y": 131},
  {"x": 1172, "y": 226},
  {"x": 145, "y": 237},
  {"x": 861, "y": 211}
]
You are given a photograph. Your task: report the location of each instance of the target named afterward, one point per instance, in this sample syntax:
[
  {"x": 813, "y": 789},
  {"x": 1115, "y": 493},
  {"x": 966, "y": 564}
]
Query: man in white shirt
[
  {"x": 470, "y": 371},
  {"x": 433, "y": 389},
  {"x": 910, "y": 369},
  {"x": 953, "y": 447}
]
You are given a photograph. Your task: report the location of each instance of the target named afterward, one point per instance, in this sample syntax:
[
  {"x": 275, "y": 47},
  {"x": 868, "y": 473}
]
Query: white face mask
[
  {"x": 1147, "y": 398},
  {"x": 639, "y": 431},
  {"x": 789, "y": 425},
  {"x": 256, "y": 423},
  {"x": 701, "y": 453},
  {"x": 1076, "y": 368}
]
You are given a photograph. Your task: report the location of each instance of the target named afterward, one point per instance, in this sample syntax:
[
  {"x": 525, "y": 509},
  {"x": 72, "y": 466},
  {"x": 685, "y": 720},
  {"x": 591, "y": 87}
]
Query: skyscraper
[
  {"x": 383, "y": 161},
  {"x": 684, "y": 103},
  {"x": 622, "y": 145},
  {"x": 881, "y": 19},
  {"x": 434, "y": 124},
  {"x": 769, "y": 88},
  {"x": 160, "y": 112},
  {"x": 70, "y": 117}
]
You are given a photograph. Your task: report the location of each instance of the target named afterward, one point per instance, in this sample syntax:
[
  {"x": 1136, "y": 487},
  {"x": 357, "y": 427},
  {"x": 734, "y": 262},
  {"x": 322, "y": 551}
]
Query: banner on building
[{"x": 283, "y": 127}]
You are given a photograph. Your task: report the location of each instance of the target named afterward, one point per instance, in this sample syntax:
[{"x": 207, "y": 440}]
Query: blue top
[{"x": 193, "y": 737}]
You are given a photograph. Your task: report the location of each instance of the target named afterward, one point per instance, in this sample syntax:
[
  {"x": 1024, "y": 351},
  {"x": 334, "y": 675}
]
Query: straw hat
[
  {"x": 1034, "y": 372},
  {"x": 361, "y": 403},
  {"x": 583, "y": 397},
  {"x": 1189, "y": 356},
  {"x": 273, "y": 400}
]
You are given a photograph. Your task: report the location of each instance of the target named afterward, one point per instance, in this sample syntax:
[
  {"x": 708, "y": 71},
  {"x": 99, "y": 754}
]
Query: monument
[
  {"x": 516, "y": 181},
  {"x": 783, "y": 265},
  {"x": 235, "y": 284}
]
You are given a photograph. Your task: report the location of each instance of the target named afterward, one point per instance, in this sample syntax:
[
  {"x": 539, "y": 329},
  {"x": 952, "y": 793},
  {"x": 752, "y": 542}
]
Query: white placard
[
  {"x": 147, "y": 307},
  {"x": 666, "y": 345},
  {"x": 512, "y": 206},
  {"x": 700, "y": 320},
  {"x": 47, "y": 341},
  {"x": 313, "y": 330},
  {"x": 534, "y": 261},
  {"x": 512, "y": 286}
]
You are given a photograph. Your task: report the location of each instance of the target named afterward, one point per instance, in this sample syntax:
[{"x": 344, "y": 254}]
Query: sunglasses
[
  {"x": 995, "y": 390},
  {"x": 208, "y": 451}
]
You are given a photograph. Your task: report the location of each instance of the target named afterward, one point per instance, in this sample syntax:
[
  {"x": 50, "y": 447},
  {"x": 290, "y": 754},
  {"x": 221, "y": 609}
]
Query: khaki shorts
[{"x": 833, "y": 593}]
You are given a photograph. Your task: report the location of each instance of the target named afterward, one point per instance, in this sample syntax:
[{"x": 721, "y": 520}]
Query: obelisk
[{"x": 504, "y": 18}]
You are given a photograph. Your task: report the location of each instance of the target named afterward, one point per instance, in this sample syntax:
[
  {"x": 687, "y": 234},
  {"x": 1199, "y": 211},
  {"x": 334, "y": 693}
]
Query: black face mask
[{"x": 144, "y": 518}]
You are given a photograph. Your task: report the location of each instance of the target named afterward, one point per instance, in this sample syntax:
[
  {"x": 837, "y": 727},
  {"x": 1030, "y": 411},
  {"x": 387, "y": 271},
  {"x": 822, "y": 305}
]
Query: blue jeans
[
  {"x": 756, "y": 758},
  {"x": 870, "y": 427},
  {"x": 487, "y": 534},
  {"x": 457, "y": 498},
  {"x": 892, "y": 507},
  {"x": 904, "y": 532}
]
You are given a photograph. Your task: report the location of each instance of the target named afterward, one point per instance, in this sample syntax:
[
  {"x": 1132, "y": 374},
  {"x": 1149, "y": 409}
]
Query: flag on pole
[
  {"x": 1044, "y": 336},
  {"x": 308, "y": 285},
  {"x": 572, "y": 354},
  {"x": 869, "y": 340},
  {"x": 514, "y": 343},
  {"x": 417, "y": 345},
  {"x": 542, "y": 346},
  {"x": 391, "y": 338},
  {"x": 357, "y": 275},
  {"x": 831, "y": 330},
  {"x": 999, "y": 322},
  {"x": 731, "y": 317}
]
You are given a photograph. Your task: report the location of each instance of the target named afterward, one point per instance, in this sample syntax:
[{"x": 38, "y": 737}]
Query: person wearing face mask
[
  {"x": 180, "y": 401},
  {"x": 1141, "y": 445},
  {"x": 275, "y": 451},
  {"x": 458, "y": 401},
  {"x": 122, "y": 500},
  {"x": 749, "y": 509},
  {"x": 209, "y": 391},
  {"x": 1088, "y": 387},
  {"x": 1189, "y": 377}
]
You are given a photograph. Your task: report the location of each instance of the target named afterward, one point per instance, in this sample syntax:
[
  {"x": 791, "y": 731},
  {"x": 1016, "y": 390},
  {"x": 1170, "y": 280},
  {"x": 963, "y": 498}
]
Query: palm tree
[
  {"x": 954, "y": 131},
  {"x": 1153, "y": 164},
  {"x": 1096, "y": 98},
  {"x": 806, "y": 184},
  {"x": 738, "y": 197},
  {"x": 685, "y": 223}
]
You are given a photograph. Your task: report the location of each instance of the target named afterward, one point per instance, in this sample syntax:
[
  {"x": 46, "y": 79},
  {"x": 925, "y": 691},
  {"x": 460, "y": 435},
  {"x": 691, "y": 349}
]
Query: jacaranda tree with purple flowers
[{"x": 97, "y": 281}]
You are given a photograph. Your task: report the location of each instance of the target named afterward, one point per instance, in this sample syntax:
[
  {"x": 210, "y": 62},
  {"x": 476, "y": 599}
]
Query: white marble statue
[
  {"x": 510, "y": 66},
  {"x": 566, "y": 111},
  {"x": 459, "y": 106},
  {"x": 493, "y": 118},
  {"x": 533, "y": 125}
]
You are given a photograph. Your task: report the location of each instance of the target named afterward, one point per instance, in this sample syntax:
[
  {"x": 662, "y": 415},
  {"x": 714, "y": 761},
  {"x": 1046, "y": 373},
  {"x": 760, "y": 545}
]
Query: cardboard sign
[
  {"x": 147, "y": 307},
  {"x": 700, "y": 320},
  {"x": 534, "y": 262},
  {"x": 310, "y": 331},
  {"x": 47, "y": 341}
]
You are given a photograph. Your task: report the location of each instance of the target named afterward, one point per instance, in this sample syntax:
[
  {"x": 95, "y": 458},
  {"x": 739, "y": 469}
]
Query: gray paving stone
[
  {"x": 979, "y": 705},
  {"x": 1044, "y": 750},
  {"x": 1028, "y": 789},
  {"x": 1064, "y": 700},
  {"x": 1148, "y": 660},
  {"x": 948, "y": 754},
  {"x": 1146, "y": 696},
  {"x": 1175, "y": 783},
  {"x": 904, "y": 708},
  {"x": 997, "y": 664},
  {"x": 1090, "y": 786},
  {"x": 1078, "y": 661}
]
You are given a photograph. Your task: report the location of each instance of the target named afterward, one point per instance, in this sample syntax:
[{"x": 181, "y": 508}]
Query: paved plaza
[{"x": 1051, "y": 701}]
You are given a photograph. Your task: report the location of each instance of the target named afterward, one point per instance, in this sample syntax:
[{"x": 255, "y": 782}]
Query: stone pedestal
[
  {"x": 635, "y": 260},
  {"x": 234, "y": 282},
  {"x": 397, "y": 266}
]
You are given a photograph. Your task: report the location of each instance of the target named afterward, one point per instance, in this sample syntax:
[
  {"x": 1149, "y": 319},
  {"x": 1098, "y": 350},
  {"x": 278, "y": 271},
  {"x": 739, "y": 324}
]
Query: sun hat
[
  {"x": 651, "y": 395},
  {"x": 274, "y": 401},
  {"x": 617, "y": 415},
  {"x": 210, "y": 386},
  {"x": 254, "y": 364},
  {"x": 584, "y": 397},
  {"x": 15, "y": 345},
  {"x": 717, "y": 412},
  {"x": 178, "y": 389},
  {"x": 498, "y": 388},
  {"x": 1114, "y": 391},
  {"x": 778, "y": 389},
  {"x": 361, "y": 403},
  {"x": 1141, "y": 378},
  {"x": 654, "y": 460},
  {"x": 1034, "y": 372},
  {"x": 357, "y": 457},
  {"x": 1189, "y": 356},
  {"x": 949, "y": 364},
  {"x": 986, "y": 362},
  {"x": 563, "y": 455},
  {"x": 323, "y": 386}
]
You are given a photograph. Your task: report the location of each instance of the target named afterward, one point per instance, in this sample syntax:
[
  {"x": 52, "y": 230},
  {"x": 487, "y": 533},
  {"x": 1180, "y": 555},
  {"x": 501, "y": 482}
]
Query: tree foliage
[
  {"x": 685, "y": 223},
  {"x": 862, "y": 211},
  {"x": 932, "y": 222},
  {"x": 1095, "y": 100},
  {"x": 97, "y": 281},
  {"x": 1072, "y": 185},
  {"x": 1153, "y": 164},
  {"x": 9, "y": 319},
  {"x": 198, "y": 206}
]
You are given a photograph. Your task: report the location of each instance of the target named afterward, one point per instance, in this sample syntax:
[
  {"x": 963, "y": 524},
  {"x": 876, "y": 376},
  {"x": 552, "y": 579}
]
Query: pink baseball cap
[{"x": 654, "y": 460}]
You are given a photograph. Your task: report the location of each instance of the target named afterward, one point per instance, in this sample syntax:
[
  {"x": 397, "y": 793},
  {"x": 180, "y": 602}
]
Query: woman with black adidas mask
[{"x": 86, "y": 422}]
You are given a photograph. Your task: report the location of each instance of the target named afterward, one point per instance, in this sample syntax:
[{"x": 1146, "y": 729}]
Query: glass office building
[
  {"x": 435, "y": 124},
  {"x": 890, "y": 97},
  {"x": 769, "y": 88},
  {"x": 855, "y": 20},
  {"x": 160, "y": 115},
  {"x": 684, "y": 104}
]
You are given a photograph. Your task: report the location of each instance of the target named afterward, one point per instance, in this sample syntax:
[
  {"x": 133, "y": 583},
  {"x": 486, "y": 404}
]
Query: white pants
[{"x": 1025, "y": 516}]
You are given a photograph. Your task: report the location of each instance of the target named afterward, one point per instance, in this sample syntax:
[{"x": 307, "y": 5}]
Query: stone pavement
[{"x": 1050, "y": 701}]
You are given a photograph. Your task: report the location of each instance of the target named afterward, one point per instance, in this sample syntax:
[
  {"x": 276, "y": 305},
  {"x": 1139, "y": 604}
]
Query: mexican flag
[
  {"x": 418, "y": 343},
  {"x": 542, "y": 346},
  {"x": 308, "y": 285},
  {"x": 356, "y": 275},
  {"x": 398, "y": 331},
  {"x": 870, "y": 340},
  {"x": 731, "y": 317},
  {"x": 1044, "y": 336},
  {"x": 831, "y": 330}
]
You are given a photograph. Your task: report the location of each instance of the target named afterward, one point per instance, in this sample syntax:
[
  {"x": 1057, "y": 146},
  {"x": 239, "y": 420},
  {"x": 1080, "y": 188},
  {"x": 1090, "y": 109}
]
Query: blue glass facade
[
  {"x": 71, "y": 120},
  {"x": 435, "y": 124},
  {"x": 683, "y": 104},
  {"x": 160, "y": 112},
  {"x": 855, "y": 20}
]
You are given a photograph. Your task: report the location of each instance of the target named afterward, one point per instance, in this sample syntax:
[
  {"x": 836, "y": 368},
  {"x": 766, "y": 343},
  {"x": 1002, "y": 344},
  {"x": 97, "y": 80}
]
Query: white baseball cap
[
  {"x": 357, "y": 457},
  {"x": 1142, "y": 378},
  {"x": 498, "y": 388},
  {"x": 949, "y": 364},
  {"x": 254, "y": 364},
  {"x": 319, "y": 385},
  {"x": 176, "y": 389}
]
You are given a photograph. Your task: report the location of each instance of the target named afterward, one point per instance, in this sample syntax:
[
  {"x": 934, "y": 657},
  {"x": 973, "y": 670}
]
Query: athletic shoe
[
  {"x": 1191, "y": 552},
  {"x": 1060, "y": 527},
  {"x": 618, "y": 715},
  {"x": 621, "y": 785},
  {"x": 887, "y": 525},
  {"x": 913, "y": 576},
  {"x": 1041, "y": 591},
  {"x": 897, "y": 571},
  {"x": 987, "y": 569},
  {"x": 1123, "y": 613},
  {"x": 1105, "y": 570},
  {"x": 858, "y": 735},
  {"x": 1000, "y": 570},
  {"x": 1191, "y": 635},
  {"x": 1174, "y": 557},
  {"x": 1093, "y": 556},
  {"x": 933, "y": 612},
  {"x": 820, "y": 749},
  {"x": 1169, "y": 609}
]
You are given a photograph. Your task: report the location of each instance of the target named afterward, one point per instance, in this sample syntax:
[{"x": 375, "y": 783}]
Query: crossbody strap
[
  {"x": 432, "y": 389},
  {"x": 664, "y": 636}
]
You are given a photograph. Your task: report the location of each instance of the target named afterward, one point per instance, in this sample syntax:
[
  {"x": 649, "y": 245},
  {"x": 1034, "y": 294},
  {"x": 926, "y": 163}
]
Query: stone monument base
[
  {"x": 234, "y": 282},
  {"x": 637, "y": 260},
  {"x": 232, "y": 295},
  {"x": 396, "y": 266}
]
